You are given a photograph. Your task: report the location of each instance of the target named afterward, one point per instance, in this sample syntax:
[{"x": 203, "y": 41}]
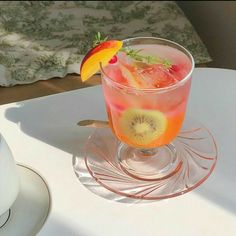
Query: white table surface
[{"x": 42, "y": 134}]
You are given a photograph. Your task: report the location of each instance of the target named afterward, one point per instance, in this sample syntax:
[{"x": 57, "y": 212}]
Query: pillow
[{"x": 44, "y": 39}]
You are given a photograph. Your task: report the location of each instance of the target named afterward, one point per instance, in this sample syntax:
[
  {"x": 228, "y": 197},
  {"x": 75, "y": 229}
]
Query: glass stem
[{"x": 147, "y": 152}]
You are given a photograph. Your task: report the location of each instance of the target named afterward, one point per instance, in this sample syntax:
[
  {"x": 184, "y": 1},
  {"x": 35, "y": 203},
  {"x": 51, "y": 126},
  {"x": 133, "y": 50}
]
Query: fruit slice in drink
[
  {"x": 102, "y": 53},
  {"x": 141, "y": 127}
]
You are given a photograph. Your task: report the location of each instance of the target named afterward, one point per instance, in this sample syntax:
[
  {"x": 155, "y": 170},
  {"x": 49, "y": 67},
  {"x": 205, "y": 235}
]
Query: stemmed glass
[{"x": 151, "y": 151}]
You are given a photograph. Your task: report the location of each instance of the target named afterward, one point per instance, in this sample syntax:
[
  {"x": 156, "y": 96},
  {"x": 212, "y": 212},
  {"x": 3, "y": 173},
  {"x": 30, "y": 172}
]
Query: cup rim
[{"x": 179, "y": 83}]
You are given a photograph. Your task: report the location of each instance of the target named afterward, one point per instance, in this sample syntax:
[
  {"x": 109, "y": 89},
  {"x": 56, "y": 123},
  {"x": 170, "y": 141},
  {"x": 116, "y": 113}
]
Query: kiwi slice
[{"x": 142, "y": 126}]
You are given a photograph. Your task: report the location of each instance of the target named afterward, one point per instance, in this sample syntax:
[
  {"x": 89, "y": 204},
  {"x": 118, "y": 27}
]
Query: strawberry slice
[
  {"x": 174, "y": 68},
  {"x": 113, "y": 60}
]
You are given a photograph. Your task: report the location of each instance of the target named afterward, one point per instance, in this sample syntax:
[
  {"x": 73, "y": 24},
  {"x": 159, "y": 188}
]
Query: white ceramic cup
[{"x": 9, "y": 177}]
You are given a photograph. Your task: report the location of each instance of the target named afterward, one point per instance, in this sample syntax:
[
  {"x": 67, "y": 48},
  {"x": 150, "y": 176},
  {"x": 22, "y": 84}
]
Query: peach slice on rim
[{"x": 102, "y": 53}]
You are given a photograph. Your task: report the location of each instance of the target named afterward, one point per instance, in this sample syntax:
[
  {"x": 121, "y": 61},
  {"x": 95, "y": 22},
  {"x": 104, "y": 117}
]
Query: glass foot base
[
  {"x": 150, "y": 164},
  {"x": 170, "y": 171}
]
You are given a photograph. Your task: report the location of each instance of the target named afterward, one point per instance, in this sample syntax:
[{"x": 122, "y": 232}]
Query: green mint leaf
[
  {"x": 98, "y": 39},
  {"x": 99, "y": 35},
  {"x": 135, "y": 54}
]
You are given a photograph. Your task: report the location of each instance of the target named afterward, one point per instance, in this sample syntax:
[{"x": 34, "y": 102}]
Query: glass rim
[{"x": 176, "y": 85}]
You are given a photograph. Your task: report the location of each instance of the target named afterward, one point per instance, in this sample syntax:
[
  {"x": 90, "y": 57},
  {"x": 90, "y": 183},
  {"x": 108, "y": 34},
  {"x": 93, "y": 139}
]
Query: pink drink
[{"x": 146, "y": 102}]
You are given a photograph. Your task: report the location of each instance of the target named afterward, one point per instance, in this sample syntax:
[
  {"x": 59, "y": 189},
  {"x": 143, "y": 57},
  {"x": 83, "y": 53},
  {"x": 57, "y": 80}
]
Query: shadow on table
[{"x": 53, "y": 121}]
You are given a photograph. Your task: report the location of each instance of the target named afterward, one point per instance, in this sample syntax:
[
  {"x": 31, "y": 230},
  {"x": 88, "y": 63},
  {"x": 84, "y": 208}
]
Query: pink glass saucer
[{"x": 196, "y": 153}]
